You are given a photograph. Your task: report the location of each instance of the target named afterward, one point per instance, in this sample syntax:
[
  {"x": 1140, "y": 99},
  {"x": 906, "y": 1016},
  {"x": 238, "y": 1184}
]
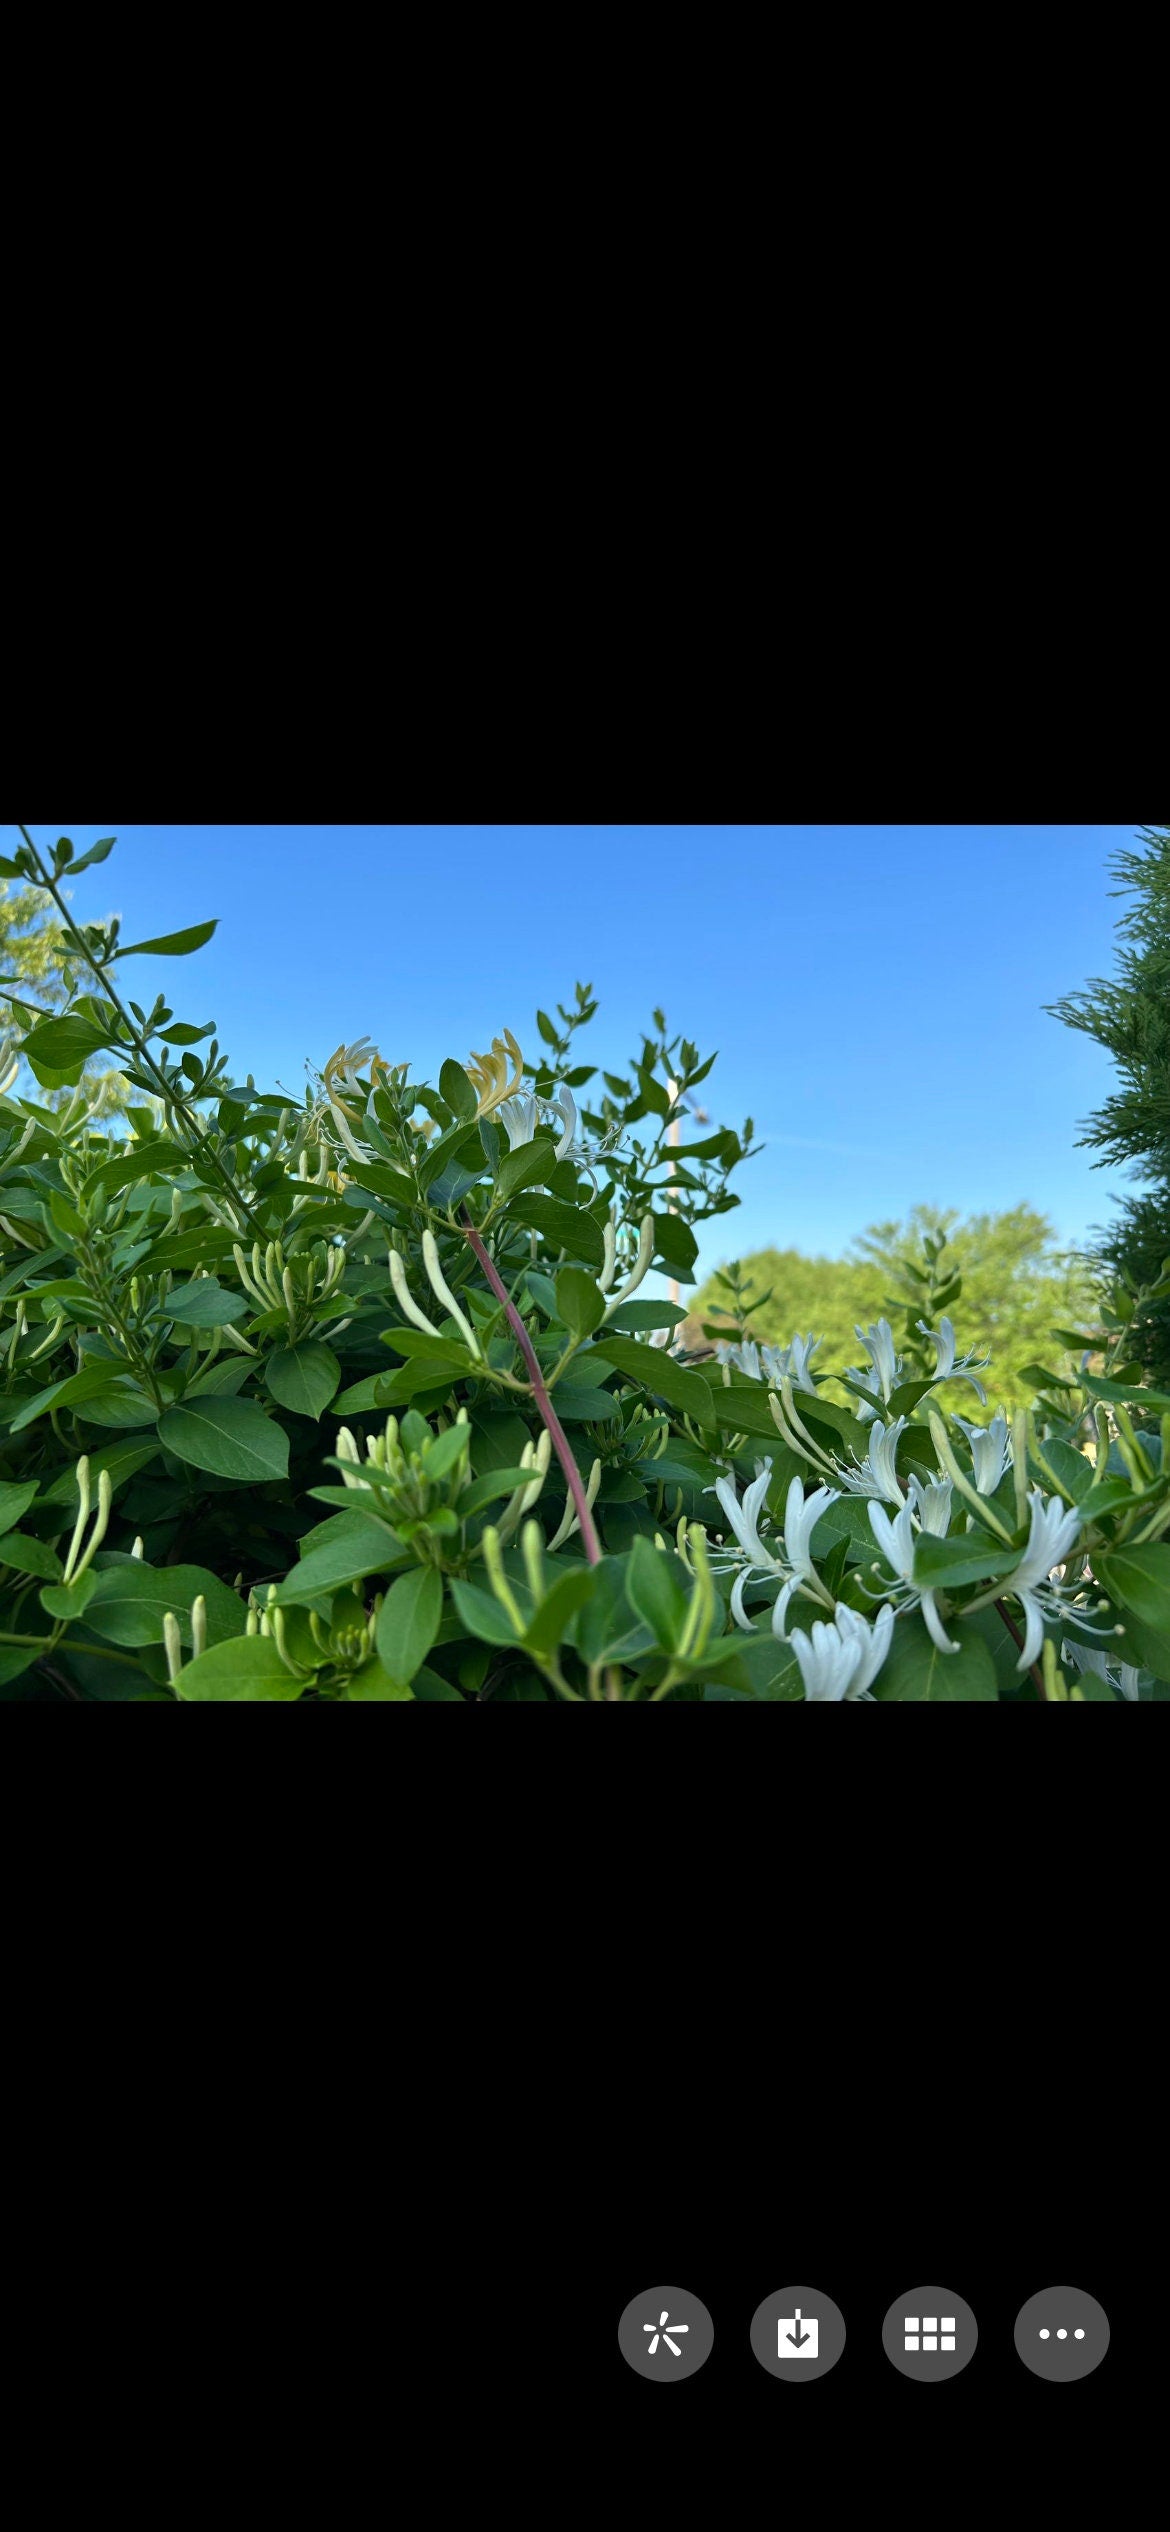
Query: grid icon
[{"x": 936, "y": 2335}]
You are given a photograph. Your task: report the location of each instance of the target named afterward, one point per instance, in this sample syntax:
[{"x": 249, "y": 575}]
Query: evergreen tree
[{"x": 1129, "y": 1015}]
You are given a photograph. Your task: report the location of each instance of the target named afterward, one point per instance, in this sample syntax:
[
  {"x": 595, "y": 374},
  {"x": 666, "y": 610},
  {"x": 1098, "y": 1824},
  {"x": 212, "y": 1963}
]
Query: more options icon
[{"x": 1061, "y": 2334}]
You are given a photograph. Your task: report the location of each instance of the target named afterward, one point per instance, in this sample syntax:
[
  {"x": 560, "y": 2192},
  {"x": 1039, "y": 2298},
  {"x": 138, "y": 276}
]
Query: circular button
[
  {"x": 797, "y": 2333},
  {"x": 666, "y": 2334},
  {"x": 1061, "y": 2334},
  {"x": 930, "y": 2333}
]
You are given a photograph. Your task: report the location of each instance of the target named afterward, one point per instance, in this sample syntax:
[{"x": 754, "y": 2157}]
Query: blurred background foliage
[
  {"x": 1017, "y": 1286},
  {"x": 32, "y": 956}
]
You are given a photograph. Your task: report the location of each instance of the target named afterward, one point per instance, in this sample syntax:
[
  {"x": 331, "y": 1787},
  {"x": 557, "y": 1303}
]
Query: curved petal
[
  {"x": 1033, "y": 1628},
  {"x": 935, "y": 1628}
]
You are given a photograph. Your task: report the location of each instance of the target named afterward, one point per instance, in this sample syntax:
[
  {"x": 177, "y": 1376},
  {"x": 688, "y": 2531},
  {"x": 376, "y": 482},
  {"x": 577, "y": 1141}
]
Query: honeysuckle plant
[{"x": 323, "y": 1397}]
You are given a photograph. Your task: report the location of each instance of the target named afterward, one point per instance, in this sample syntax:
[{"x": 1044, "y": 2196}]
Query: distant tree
[
  {"x": 1016, "y": 1286},
  {"x": 32, "y": 955},
  {"x": 1129, "y": 1015}
]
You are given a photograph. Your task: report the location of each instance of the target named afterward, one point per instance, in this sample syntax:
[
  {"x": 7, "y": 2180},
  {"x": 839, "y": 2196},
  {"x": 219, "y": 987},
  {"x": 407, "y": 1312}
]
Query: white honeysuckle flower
[
  {"x": 946, "y": 1368},
  {"x": 932, "y": 1504},
  {"x": 564, "y": 1100},
  {"x": 520, "y": 1115},
  {"x": 885, "y": 1365},
  {"x": 896, "y": 1541},
  {"x": 873, "y": 1636},
  {"x": 796, "y": 1363},
  {"x": 839, "y": 1659},
  {"x": 1121, "y": 1675},
  {"x": 779, "y": 1362},
  {"x": 755, "y": 1556},
  {"x": 877, "y": 1473},
  {"x": 990, "y": 1450},
  {"x": 518, "y": 1118},
  {"x": 1055, "y": 1528},
  {"x": 745, "y": 1356},
  {"x": 801, "y": 1515}
]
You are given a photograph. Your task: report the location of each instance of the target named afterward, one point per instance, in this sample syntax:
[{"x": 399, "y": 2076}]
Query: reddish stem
[
  {"x": 1036, "y": 1671},
  {"x": 544, "y": 1403}
]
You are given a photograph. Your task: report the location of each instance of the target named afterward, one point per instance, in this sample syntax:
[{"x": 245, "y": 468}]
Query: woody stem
[{"x": 545, "y": 1407}]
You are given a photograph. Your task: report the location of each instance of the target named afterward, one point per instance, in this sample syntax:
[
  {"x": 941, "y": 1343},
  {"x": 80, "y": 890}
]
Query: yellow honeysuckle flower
[
  {"x": 488, "y": 1073},
  {"x": 345, "y": 1061}
]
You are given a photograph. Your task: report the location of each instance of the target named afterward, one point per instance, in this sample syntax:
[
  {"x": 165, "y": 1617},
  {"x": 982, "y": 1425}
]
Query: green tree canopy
[
  {"x": 1018, "y": 1285},
  {"x": 32, "y": 956}
]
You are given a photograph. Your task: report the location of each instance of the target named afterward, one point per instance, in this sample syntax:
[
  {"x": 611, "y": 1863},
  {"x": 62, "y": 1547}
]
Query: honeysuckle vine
[{"x": 360, "y": 1396}]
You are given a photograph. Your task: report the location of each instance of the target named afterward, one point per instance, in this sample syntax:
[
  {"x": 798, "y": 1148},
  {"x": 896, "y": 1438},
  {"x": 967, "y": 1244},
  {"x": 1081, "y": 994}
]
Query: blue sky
[{"x": 875, "y": 992}]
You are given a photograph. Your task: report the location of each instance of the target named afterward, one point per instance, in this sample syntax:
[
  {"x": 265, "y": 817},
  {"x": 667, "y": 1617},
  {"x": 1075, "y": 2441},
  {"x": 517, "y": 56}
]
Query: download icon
[{"x": 796, "y": 2338}]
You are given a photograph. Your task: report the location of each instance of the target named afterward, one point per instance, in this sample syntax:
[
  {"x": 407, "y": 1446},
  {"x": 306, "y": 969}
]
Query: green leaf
[
  {"x": 97, "y": 853},
  {"x": 546, "y": 1630},
  {"x": 524, "y": 1166},
  {"x": 68, "y": 1393},
  {"x": 373, "y": 1686},
  {"x": 656, "y": 1591},
  {"x": 489, "y": 1487},
  {"x": 205, "y": 1304},
  {"x": 1071, "y": 1468},
  {"x": 15, "y": 1658},
  {"x": 171, "y": 944},
  {"x": 125, "y": 1407},
  {"x": 561, "y": 1226},
  {"x": 1138, "y": 1578},
  {"x": 1104, "y": 1498},
  {"x": 303, "y": 1377},
  {"x": 376, "y": 1178},
  {"x": 458, "y": 1142},
  {"x": 431, "y": 1689},
  {"x": 652, "y": 1092},
  {"x": 1122, "y": 1393},
  {"x": 637, "y": 1316},
  {"x": 445, "y": 1451},
  {"x": 419, "y": 1346},
  {"x": 139, "y": 1160},
  {"x": 947, "y": 1563},
  {"x": 230, "y": 1437},
  {"x": 915, "y": 1672},
  {"x": 546, "y": 1028},
  {"x": 745, "y": 1409},
  {"x": 14, "y": 1502},
  {"x": 63, "y": 1046},
  {"x": 675, "y": 1242},
  {"x": 497, "y": 1439},
  {"x": 409, "y": 1621},
  {"x": 457, "y": 1089},
  {"x": 185, "y": 1033},
  {"x": 123, "y": 1461},
  {"x": 770, "y": 1668},
  {"x": 131, "y": 1598},
  {"x": 580, "y": 1306},
  {"x": 362, "y": 1397},
  {"x": 248, "y": 1671},
  {"x": 68, "y": 1600},
  {"x": 578, "y": 1405},
  {"x": 657, "y": 1372},
  {"x": 481, "y": 1613},
  {"x": 346, "y": 1550},
  {"x": 30, "y": 1556}
]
